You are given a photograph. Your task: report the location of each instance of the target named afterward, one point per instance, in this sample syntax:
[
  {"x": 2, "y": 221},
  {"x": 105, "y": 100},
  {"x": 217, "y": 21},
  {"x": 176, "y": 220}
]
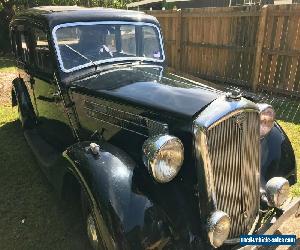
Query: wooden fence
[{"x": 257, "y": 47}]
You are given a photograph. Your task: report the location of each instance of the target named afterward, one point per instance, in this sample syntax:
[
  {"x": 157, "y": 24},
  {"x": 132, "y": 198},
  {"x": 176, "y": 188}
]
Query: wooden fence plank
[
  {"x": 259, "y": 44},
  {"x": 276, "y": 57},
  {"x": 294, "y": 61},
  {"x": 249, "y": 46}
]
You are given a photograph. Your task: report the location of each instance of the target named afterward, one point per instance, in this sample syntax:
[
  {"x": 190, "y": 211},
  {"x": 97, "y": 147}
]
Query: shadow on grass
[
  {"x": 32, "y": 217},
  {"x": 7, "y": 64}
]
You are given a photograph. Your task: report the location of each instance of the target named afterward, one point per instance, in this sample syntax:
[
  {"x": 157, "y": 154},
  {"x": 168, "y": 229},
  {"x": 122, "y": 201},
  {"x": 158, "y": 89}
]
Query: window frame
[
  {"x": 38, "y": 69},
  {"x": 119, "y": 59}
]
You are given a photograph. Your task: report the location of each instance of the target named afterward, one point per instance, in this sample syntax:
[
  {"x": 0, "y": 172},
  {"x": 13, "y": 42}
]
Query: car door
[
  {"x": 53, "y": 122},
  {"x": 20, "y": 41}
]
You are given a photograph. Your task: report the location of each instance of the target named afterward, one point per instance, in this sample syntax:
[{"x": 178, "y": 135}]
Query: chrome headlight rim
[
  {"x": 277, "y": 191},
  {"x": 151, "y": 149},
  {"x": 263, "y": 109},
  {"x": 213, "y": 222}
]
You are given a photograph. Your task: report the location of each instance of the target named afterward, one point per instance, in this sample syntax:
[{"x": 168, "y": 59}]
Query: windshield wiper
[{"x": 83, "y": 56}]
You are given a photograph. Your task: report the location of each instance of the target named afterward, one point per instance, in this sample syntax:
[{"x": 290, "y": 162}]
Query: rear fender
[{"x": 21, "y": 97}]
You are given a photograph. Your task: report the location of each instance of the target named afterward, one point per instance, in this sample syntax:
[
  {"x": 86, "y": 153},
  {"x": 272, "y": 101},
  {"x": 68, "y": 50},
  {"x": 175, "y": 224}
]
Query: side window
[
  {"x": 20, "y": 43},
  {"x": 24, "y": 48},
  {"x": 13, "y": 40},
  {"x": 151, "y": 47},
  {"x": 42, "y": 57},
  {"x": 128, "y": 40},
  {"x": 110, "y": 41}
]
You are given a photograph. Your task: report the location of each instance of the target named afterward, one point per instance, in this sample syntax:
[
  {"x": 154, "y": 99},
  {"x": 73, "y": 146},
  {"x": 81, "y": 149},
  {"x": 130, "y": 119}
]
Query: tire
[{"x": 89, "y": 222}]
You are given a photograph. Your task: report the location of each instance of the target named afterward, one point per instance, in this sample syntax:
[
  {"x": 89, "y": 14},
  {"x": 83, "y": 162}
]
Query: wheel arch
[
  {"x": 108, "y": 180},
  {"x": 77, "y": 177}
]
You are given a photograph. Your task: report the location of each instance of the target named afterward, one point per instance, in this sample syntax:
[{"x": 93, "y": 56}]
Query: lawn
[
  {"x": 32, "y": 217},
  {"x": 293, "y": 132},
  {"x": 7, "y": 65}
]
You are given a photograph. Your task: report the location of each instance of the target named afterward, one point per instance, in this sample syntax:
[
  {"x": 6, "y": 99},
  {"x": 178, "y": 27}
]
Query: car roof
[{"x": 54, "y": 15}]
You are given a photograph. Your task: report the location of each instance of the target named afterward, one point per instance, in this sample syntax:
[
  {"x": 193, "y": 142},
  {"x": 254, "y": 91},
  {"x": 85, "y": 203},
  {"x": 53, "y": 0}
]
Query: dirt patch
[{"x": 5, "y": 87}]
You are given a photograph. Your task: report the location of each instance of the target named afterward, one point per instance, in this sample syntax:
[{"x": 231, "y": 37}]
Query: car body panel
[{"x": 145, "y": 85}]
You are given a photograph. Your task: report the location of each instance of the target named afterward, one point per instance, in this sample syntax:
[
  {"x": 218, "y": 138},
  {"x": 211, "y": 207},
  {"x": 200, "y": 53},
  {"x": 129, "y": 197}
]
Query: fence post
[
  {"x": 259, "y": 46},
  {"x": 178, "y": 41}
]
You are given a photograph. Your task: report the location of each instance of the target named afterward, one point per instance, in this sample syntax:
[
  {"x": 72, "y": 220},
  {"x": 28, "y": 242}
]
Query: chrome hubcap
[{"x": 92, "y": 232}]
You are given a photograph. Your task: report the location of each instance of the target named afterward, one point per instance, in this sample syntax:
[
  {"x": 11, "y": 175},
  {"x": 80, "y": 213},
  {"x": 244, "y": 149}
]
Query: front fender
[
  {"x": 277, "y": 156},
  {"x": 108, "y": 179}
]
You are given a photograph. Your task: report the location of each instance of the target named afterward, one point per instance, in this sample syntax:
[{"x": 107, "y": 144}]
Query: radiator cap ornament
[
  {"x": 234, "y": 95},
  {"x": 95, "y": 148}
]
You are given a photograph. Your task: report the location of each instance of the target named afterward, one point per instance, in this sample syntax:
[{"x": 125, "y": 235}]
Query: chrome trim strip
[
  {"x": 120, "y": 59},
  {"x": 123, "y": 119}
]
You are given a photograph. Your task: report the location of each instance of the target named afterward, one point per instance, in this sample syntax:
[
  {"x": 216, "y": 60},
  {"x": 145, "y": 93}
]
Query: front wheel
[{"x": 90, "y": 224}]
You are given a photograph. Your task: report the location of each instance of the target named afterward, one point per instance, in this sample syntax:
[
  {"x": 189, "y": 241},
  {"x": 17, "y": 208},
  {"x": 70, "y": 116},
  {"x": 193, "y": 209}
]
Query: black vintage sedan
[{"x": 159, "y": 161}]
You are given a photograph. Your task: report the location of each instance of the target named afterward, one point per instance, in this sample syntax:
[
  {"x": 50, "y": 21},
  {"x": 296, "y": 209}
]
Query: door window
[
  {"x": 20, "y": 45},
  {"x": 151, "y": 48},
  {"x": 24, "y": 48},
  {"x": 14, "y": 43},
  {"x": 42, "y": 57},
  {"x": 128, "y": 39}
]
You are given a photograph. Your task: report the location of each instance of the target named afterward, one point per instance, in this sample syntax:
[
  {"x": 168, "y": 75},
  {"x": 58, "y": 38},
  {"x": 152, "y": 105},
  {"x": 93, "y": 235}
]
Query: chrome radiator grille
[{"x": 234, "y": 153}]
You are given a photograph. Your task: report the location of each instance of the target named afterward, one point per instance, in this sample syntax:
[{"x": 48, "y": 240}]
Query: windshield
[{"x": 80, "y": 45}]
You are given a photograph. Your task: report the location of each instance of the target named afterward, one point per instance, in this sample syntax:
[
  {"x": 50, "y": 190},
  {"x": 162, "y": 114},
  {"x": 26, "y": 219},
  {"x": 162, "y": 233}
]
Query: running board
[{"x": 45, "y": 154}]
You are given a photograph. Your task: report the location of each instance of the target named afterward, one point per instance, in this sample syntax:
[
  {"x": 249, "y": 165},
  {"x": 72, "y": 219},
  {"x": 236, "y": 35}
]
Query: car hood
[{"x": 150, "y": 87}]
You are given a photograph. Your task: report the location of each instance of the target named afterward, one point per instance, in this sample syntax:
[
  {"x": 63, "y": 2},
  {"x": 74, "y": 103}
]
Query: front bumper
[{"x": 290, "y": 207}]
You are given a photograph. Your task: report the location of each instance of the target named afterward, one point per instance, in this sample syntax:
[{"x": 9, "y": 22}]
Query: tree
[{"x": 7, "y": 11}]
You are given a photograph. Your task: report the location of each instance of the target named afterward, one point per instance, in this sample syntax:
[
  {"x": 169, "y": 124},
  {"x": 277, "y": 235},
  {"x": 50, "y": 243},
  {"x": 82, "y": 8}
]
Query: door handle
[
  {"x": 56, "y": 97},
  {"x": 56, "y": 94}
]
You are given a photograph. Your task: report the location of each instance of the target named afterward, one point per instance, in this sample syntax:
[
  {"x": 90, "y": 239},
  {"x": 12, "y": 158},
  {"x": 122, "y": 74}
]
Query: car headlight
[
  {"x": 267, "y": 119},
  {"x": 163, "y": 155},
  {"x": 277, "y": 191},
  {"x": 218, "y": 228}
]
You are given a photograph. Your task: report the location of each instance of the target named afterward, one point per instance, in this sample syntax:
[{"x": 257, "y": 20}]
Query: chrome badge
[
  {"x": 239, "y": 120},
  {"x": 234, "y": 95}
]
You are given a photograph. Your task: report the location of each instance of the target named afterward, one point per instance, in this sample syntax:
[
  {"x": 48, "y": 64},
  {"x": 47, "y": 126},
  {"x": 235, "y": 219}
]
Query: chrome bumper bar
[{"x": 291, "y": 207}]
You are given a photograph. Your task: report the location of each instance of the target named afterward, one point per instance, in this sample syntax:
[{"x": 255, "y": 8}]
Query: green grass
[
  {"x": 26, "y": 194},
  {"x": 7, "y": 65},
  {"x": 293, "y": 132}
]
